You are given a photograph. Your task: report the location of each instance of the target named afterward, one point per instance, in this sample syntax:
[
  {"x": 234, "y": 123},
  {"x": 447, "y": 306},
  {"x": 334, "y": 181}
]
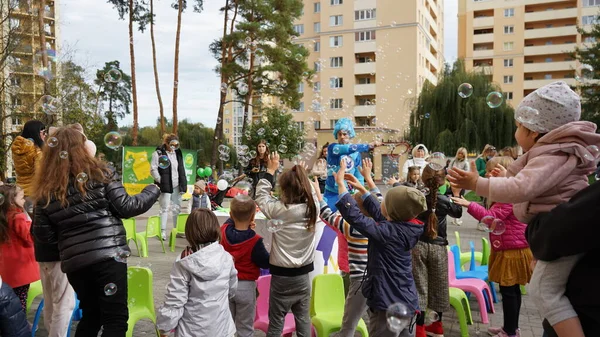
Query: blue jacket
[
  {"x": 334, "y": 153},
  {"x": 13, "y": 322},
  {"x": 389, "y": 269}
]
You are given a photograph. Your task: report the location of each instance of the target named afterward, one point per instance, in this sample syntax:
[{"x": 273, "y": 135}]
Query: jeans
[
  {"x": 169, "y": 203},
  {"x": 102, "y": 292}
]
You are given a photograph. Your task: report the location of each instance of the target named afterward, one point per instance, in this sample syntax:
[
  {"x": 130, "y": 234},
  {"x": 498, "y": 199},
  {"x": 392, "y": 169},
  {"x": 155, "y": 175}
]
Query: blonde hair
[{"x": 463, "y": 151}]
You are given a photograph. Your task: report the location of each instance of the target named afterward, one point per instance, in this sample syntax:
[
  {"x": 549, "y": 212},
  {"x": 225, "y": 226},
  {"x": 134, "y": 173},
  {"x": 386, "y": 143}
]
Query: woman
[
  {"x": 258, "y": 165},
  {"x": 26, "y": 150},
  {"x": 489, "y": 151},
  {"x": 419, "y": 153},
  {"x": 81, "y": 209},
  {"x": 509, "y": 152},
  {"x": 320, "y": 167},
  {"x": 170, "y": 176},
  {"x": 460, "y": 161}
]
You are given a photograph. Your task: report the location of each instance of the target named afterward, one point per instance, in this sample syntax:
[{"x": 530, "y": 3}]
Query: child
[
  {"x": 18, "y": 268},
  {"x": 203, "y": 280},
  {"x": 510, "y": 259},
  {"x": 13, "y": 320},
  {"x": 293, "y": 245},
  {"x": 392, "y": 232},
  {"x": 554, "y": 168},
  {"x": 199, "y": 198},
  {"x": 249, "y": 255},
  {"x": 413, "y": 178}
]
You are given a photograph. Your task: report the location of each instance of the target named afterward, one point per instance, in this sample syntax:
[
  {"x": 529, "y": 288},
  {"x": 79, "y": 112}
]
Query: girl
[
  {"x": 430, "y": 256},
  {"x": 293, "y": 245},
  {"x": 460, "y": 160},
  {"x": 419, "y": 153},
  {"x": 18, "y": 268},
  {"x": 203, "y": 280},
  {"x": 320, "y": 168},
  {"x": 560, "y": 153},
  {"x": 258, "y": 165},
  {"x": 489, "y": 151},
  {"x": 80, "y": 209},
  {"x": 510, "y": 259},
  {"x": 413, "y": 178}
]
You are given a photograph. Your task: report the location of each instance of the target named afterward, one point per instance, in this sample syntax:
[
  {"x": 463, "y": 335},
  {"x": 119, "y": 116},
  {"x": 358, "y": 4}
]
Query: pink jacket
[
  {"x": 514, "y": 235},
  {"x": 550, "y": 173}
]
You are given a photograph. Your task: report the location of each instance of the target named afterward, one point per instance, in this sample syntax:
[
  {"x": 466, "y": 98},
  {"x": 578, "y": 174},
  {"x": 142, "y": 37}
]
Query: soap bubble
[
  {"x": 287, "y": 53},
  {"x": 427, "y": 115},
  {"x": 593, "y": 152},
  {"x": 496, "y": 244},
  {"x": 224, "y": 149},
  {"x": 336, "y": 150},
  {"x": 349, "y": 162},
  {"x": 432, "y": 316},
  {"x": 252, "y": 153},
  {"x": 164, "y": 162},
  {"x": 585, "y": 72},
  {"x": 242, "y": 88},
  {"x": 282, "y": 148},
  {"x": 494, "y": 99},
  {"x": 82, "y": 177},
  {"x": 261, "y": 131},
  {"x": 274, "y": 225},
  {"x": 298, "y": 57},
  {"x": 174, "y": 144},
  {"x": 113, "y": 140},
  {"x": 437, "y": 161},
  {"x": 465, "y": 90},
  {"x": 52, "y": 142},
  {"x": 50, "y": 105},
  {"x": 526, "y": 114},
  {"x": 222, "y": 185},
  {"x": 224, "y": 156},
  {"x": 242, "y": 150},
  {"x": 113, "y": 76},
  {"x": 244, "y": 185},
  {"x": 275, "y": 132},
  {"x": 110, "y": 289},
  {"x": 487, "y": 222},
  {"x": 498, "y": 227},
  {"x": 398, "y": 317},
  {"x": 122, "y": 255},
  {"x": 63, "y": 154}
]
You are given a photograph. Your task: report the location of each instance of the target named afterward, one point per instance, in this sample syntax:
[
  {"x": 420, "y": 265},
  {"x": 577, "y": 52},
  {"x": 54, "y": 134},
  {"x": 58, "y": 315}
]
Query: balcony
[
  {"x": 486, "y": 70},
  {"x": 365, "y": 24},
  {"x": 538, "y": 2},
  {"x": 550, "y": 32},
  {"x": 550, "y": 66},
  {"x": 487, "y": 21},
  {"x": 550, "y": 49},
  {"x": 482, "y": 38},
  {"x": 364, "y": 110},
  {"x": 365, "y": 47},
  {"x": 485, "y": 53},
  {"x": 364, "y": 89},
  {"x": 551, "y": 15},
  {"x": 365, "y": 68},
  {"x": 534, "y": 84}
]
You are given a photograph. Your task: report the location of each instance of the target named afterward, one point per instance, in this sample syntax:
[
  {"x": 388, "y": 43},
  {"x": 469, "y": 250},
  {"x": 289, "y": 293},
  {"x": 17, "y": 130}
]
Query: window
[
  {"x": 508, "y": 63},
  {"x": 301, "y": 107},
  {"x": 364, "y": 36},
  {"x": 336, "y": 62},
  {"x": 16, "y": 120},
  {"x": 317, "y": 125},
  {"x": 364, "y": 80},
  {"x": 226, "y": 131},
  {"x": 510, "y": 12},
  {"x": 589, "y": 39},
  {"x": 14, "y": 23},
  {"x": 509, "y": 45},
  {"x": 508, "y": 95},
  {"x": 365, "y": 14},
  {"x": 317, "y": 7},
  {"x": 317, "y": 27},
  {"x": 508, "y": 79},
  {"x": 300, "y": 125},
  {"x": 336, "y": 20},
  {"x": 336, "y": 2},
  {"x": 317, "y": 87},
  {"x": 317, "y": 46},
  {"x": 548, "y": 59},
  {"x": 509, "y": 29},
  {"x": 335, "y": 41},
  {"x": 591, "y": 3},
  {"x": 301, "y": 87},
  {"x": 15, "y": 101},
  {"x": 548, "y": 76},
  {"x": 588, "y": 20},
  {"x": 336, "y": 82},
  {"x": 336, "y": 103},
  {"x": 227, "y": 121},
  {"x": 317, "y": 67},
  {"x": 15, "y": 81},
  {"x": 332, "y": 123},
  {"x": 299, "y": 29}
]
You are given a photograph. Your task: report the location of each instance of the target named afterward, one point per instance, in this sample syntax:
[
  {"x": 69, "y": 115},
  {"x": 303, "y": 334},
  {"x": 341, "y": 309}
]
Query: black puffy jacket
[
  {"x": 13, "y": 322},
  {"x": 443, "y": 208},
  {"x": 89, "y": 229}
]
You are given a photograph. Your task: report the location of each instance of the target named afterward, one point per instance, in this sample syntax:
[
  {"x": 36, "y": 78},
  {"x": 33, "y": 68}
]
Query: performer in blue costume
[{"x": 343, "y": 132}]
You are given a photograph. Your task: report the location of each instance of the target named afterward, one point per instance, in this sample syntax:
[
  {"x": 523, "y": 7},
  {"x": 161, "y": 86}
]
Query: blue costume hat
[{"x": 346, "y": 125}]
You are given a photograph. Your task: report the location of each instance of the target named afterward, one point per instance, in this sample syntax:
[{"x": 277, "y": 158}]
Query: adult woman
[
  {"x": 320, "y": 167},
  {"x": 419, "y": 153},
  {"x": 460, "y": 161},
  {"x": 509, "y": 152},
  {"x": 26, "y": 150},
  {"x": 488, "y": 152},
  {"x": 170, "y": 176},
  {"x": 80, "y": 209},
  {"x": 258, "y": 165}
]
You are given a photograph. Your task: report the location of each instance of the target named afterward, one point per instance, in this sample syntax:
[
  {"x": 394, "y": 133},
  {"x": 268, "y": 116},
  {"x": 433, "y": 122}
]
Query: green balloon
[
  {"x": 200, "y": 172},
  {"x": 208, "y": 171}
]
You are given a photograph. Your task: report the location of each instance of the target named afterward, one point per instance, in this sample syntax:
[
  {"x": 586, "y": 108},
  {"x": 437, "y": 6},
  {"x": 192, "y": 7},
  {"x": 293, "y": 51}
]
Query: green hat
[{"x": 404, "y": 203}]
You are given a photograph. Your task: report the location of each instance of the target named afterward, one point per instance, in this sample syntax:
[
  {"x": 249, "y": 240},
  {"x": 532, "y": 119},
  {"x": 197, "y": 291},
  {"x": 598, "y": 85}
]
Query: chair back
[
  {"x": 485, "y": 253},
  {"x": 457, "y": 236},
  {"x": 455, "y": 259},
  {"x": 129, "y": 225},
  {"x": 181, "y": 220},
  {"x": 472, "y": 264},
  {"x": 35, "y": 290},
  {"x": 139, "y": 292},
  {"x": 153, "y": 226},
  {"x": 451, "y": 265},
  {"x": 327, "y": 294},
  {"x": 263, "y": 284}
]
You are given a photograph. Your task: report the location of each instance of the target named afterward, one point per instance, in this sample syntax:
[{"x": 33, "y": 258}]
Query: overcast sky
[{"x": 92, "y": 28}]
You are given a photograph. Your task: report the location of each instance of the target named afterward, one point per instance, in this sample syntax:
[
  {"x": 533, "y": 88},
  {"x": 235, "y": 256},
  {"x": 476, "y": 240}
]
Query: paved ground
[{"x": 160, "y": 263}]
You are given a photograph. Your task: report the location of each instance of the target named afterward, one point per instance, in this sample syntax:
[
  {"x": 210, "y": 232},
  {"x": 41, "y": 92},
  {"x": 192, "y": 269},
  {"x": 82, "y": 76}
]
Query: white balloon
[{"x": 222, "y": 185}]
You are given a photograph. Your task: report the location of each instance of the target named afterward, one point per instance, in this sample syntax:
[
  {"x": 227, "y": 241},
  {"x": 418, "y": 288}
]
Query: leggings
[
  {"x": 21, "y": 293},
  {"x": 511, "y": 305}
]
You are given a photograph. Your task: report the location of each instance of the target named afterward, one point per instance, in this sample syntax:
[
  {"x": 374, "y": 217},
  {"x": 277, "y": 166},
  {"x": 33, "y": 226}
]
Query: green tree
[
  {"x": 280, "y": 131},
  {"x": 589, "y": 57},
  {"x": 114, "y": 97},
  {"x": 445, "y": 121}
]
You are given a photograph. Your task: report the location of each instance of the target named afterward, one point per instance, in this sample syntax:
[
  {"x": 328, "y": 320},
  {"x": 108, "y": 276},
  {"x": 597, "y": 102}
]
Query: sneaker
[
  {"x": 420, "y": 331},
  {"x": 163, "y": 235},
  {"x": 435, "y": 329},
  {"x": 456, "y": 222},
  {"x": 499, "y": 332}
]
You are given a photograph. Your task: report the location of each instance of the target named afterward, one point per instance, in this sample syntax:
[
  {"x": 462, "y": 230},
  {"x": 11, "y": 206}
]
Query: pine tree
[
  {"x": 587, "y": 73},
  {"x": 114, "y": 97}
]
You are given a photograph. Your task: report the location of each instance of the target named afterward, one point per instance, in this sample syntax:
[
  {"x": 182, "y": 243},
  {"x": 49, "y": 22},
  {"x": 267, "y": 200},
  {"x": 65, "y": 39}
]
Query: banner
[{"x": 136, "y": 168}]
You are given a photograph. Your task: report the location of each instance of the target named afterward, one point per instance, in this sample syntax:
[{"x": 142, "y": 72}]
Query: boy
[
  {"x": 249, "y": 255},
  {"x": 199, "y": 197}
]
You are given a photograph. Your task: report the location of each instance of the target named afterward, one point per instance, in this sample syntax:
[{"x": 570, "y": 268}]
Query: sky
[{"x": 93, "y": 33}]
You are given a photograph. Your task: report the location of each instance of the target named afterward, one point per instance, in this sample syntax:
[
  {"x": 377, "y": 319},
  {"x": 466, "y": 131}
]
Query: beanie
[
  {"x": 200, "y": 184},
  {"x": 404, "y": 203},
  {"x": 549, "y": 107}
]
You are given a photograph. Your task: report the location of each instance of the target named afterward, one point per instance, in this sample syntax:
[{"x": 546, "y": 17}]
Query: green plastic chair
[
  {"x": 140, "y": 299},
  {"x": 35, "y": 290},
  {"x": 152, "y": 230},
  {"x": 485, "y": 253},
  {"x": 327, "y": 305},
  {"x": 130, "y": 233},
  {"x": 466, "y": 256},
  {"x": 179, "y": 229},
  {"x": 460, "y": 303}
]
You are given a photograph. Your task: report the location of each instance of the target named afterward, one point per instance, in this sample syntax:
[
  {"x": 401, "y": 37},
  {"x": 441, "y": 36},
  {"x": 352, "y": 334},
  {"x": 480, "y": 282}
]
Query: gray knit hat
[
  {"x": 404, "y": 203},
  {"x": 549, "y": 107}
]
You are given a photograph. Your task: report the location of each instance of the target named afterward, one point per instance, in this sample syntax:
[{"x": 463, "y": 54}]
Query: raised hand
[
  {"x": 351, "y": 179},
  {"x": 273, "y": 163},
  {"x": 461, "y": 201},
  {"x": 339, "y": 175},
  {"x": 391, "y": 181},
  {"x": 463, "y": 179},
  {"x": 498, "y": 171},
  {"x": 366, "y": 168}
]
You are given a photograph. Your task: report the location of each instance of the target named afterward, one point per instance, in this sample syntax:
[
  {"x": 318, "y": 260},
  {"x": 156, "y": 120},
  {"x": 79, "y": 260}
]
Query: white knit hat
[{"x": 549, "y": 107}]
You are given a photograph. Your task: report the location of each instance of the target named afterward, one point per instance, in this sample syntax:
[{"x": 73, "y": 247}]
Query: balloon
[
  {"x": 207, "y": 171},
  {"x": 200, "y": 172},
  {"x": 222, "y": 185}
]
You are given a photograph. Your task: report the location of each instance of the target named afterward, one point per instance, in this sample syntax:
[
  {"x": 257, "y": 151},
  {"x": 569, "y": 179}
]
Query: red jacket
[
  {"x": 242, "y": 255},
  {"x": 17, "y": 263}
]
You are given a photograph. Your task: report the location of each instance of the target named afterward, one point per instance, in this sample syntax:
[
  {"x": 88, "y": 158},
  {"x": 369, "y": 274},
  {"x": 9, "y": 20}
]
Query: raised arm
[
  {"x": 366, "y": 226},
  {"x": 501, "y": 211},
  {"x": 343, "y": 149},
  {"x": 126, "y": 206}
]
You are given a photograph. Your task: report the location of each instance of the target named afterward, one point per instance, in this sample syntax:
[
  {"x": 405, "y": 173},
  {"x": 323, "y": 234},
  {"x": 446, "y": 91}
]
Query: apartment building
[{"x": 524, "y": 44}]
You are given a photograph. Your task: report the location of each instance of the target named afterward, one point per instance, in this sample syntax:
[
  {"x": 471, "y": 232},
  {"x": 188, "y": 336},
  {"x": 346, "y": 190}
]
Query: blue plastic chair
[
  {"x": 465, "y": 274},
  {"x": 76, "y": 316},
  {"x": 484, "y": 269}
]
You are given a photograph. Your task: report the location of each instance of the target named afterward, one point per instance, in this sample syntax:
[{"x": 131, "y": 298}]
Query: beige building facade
[{"x": 524, "y": 44}]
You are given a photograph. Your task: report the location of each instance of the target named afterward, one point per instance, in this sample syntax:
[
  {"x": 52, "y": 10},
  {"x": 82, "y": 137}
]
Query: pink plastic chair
[
  {"x": 261, "y": 320},
  {"x": 479, "y": 288}
]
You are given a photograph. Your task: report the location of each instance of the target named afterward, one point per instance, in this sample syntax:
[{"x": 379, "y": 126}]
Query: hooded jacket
[
  {"x": 13, "y": 322},
  {"x": 514, "y": 235},
  {"x": 25, "y": 153},
  {"x": 198, "y": 293},
  {"x": 415, "y": 161},
  {"x": 550, "y": 173}
]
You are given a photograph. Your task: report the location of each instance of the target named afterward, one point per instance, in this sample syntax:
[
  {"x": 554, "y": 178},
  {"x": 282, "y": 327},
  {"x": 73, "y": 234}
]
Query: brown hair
[
  {"x": 9, "y": 192},
  {"x": 168, "y": 137},
  {"x": 265, "y": 159},
  {"x": 508, "y": 151},
  {"x": 322, "y": 150},
  {"x": 489, "y": 166},
  {"x": 296, "y": 189},
  {"x": 242, "y": 208},
  {"x": 201, "y": 228},
  {"x": 410, "y": 170},
  {"x": 432, "y": 179},
  {"x": 64, "y": 171}
]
